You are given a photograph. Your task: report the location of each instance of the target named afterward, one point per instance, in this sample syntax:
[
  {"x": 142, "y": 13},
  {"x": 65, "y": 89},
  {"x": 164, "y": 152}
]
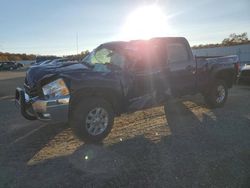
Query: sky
[{"x": 51, "y": 27}]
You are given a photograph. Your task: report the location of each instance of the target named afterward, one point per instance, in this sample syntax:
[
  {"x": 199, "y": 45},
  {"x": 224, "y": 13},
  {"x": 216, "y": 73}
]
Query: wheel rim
[
  {"x": 97, "y": 121},
  {"x": 221, "y": 93}
]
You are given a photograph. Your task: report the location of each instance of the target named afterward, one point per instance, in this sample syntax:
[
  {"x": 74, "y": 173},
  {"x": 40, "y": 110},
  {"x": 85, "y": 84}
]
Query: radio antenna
[{"x": 77, "y": 43}]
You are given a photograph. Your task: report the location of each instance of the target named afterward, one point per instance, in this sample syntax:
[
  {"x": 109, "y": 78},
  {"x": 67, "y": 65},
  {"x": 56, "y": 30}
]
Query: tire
[
  {"x": 27, "y": 111},
  {"x": 92, "y": 119},
  {"x": 28, "y": 115},
  {"x": 217, "y": 95}
]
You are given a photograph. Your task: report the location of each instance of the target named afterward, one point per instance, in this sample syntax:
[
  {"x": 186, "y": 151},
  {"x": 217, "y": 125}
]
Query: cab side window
[{"x": 177, "y": 52}]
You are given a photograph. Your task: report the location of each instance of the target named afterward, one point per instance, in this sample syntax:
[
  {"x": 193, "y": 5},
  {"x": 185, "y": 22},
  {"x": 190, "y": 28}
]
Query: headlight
[{"x": 56, "y": 88}]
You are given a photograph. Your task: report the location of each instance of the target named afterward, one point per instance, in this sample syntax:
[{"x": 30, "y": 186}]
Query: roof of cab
[{"x": 122, "y": 44}]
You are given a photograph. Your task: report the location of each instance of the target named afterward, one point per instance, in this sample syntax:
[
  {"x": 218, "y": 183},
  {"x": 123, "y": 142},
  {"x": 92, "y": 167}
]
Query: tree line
[
  {"x": 4, "y": 57},
  {"x": 15, "y": 57},
  {"x": 233, "y": 39},
  {"x": 77, "y": 56}
]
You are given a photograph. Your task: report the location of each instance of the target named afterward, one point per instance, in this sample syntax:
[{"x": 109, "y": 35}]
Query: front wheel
[
  {"x": 217, "y": 95},
  {"x": 92, "y": 119}
]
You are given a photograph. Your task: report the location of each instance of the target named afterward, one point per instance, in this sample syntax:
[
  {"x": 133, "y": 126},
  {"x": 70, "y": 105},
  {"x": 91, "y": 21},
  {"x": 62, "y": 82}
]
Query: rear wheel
[
  {"x": 217, "y": 95},
  {"x": 92, "y": 119}
]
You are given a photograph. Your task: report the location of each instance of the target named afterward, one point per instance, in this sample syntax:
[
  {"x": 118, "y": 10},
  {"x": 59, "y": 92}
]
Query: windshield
[{"x": 104, "y": 60}]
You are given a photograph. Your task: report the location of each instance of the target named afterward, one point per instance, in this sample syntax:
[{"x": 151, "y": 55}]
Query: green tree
[
  {"x": 235, "y": 39},
  {"x": 3, "y": 58}
]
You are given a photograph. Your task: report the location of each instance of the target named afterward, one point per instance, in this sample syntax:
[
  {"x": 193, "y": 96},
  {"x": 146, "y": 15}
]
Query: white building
[{"x": 243, "y": 51}]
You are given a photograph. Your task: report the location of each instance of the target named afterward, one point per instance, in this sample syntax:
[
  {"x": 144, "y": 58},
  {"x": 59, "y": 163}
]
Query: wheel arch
[
  {"x": 226, "y": 75},
  {"x": 110, "y": 95}
]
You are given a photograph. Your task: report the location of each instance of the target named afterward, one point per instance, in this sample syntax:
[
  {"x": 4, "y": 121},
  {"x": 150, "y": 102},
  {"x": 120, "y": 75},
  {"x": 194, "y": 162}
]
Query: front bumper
[{"x": 36, "y": 108}]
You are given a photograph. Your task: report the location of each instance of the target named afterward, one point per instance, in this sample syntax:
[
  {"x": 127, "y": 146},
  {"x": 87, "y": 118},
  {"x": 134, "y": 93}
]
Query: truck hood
[{"x": 35, "y": 73}]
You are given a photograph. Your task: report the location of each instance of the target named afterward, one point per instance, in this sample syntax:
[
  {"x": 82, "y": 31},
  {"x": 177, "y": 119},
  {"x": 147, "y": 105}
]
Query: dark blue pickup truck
[{"x": 121, "y": 77}]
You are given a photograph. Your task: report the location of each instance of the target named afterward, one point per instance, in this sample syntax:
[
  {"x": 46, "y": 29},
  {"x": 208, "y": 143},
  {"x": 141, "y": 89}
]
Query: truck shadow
[{"x": 201, "y": 149}]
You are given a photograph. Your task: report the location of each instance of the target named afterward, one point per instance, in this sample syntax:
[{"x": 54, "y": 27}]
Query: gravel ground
[{"x": 184, "y": 144}]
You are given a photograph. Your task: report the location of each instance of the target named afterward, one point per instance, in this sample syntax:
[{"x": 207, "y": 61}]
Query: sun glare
[{"x": 144, "y": 23}]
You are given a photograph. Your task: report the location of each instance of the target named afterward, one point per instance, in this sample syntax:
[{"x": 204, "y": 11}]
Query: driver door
[{"x": 148, "y": 79}]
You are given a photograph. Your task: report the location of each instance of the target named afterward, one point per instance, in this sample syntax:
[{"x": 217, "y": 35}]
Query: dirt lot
[{"x": 185, "y": 145}]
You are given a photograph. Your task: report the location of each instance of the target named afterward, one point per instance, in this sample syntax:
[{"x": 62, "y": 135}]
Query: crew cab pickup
[{"x": 121, "y": 77}]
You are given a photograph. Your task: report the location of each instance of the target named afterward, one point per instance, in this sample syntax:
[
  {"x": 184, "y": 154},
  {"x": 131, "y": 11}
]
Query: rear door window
[
  {"x": 151, "y": 59},
  {"x": 177, "y": 53}
]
